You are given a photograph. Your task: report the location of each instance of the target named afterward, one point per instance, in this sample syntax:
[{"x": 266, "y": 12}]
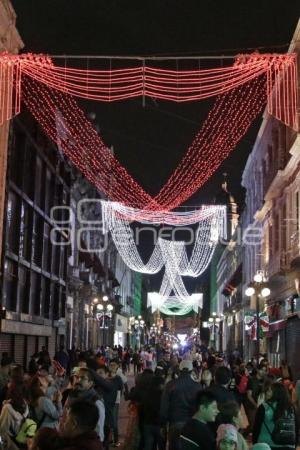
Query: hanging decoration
[
  {"x": 212, "y": 225},
  {"x": 173, "y": 305},
  {"x": 169, "y": 254},
  {"x": 85, "y": 148},
  {"x": 172, "y": 85},
  {"x": 251, "y": 325}
]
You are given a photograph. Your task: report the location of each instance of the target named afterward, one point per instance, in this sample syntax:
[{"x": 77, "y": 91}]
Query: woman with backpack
[
  {"x": 43, "y": 410},
  {"x": 275, "y": 421},
  {"x": 14, "y": 411}
]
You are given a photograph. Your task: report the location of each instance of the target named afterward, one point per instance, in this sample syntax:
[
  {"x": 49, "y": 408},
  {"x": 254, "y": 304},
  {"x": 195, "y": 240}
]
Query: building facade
[{"x": 272, "y": 209}]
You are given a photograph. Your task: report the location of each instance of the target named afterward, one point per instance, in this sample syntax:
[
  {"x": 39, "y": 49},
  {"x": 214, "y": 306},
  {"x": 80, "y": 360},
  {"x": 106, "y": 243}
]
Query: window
[
  {"x": 56, "y": 297},
  {"x": 35, "y": 293},
  {"x": 10, "y": 287},
  {"x": 39, "y": 196},
  {"x": 26, "y": 225},
  {"x": 13, "y": 222},
  {"x": 16, "y": 158},
  {"x": 29, "y": 171},
  {"x": 24, "y": 290},
  {"x": 46, "y": 248},
  {"x": 37, "y": 240},
  {"x": 46, "y": 296},
  {"x": 283, "y": 229}
]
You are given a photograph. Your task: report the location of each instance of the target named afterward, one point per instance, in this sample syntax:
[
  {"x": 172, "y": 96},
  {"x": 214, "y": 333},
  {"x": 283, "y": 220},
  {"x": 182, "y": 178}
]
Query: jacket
[
  {"x": 86, "y": 441},
  {"x": 178, "y": 401}
]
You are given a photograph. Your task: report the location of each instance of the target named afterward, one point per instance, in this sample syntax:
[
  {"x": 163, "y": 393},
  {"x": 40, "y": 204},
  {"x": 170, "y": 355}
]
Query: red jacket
[{"x": 86, "y": 441}]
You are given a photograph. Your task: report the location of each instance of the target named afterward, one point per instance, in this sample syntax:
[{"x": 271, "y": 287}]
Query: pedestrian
[
  {"x": 151, "y": 421},
  {"x": 84, "y": 391},
  {"x": 46, "y": 439},
  {"x": 196, "y": 433},
  {"x": 62, "y": 357},
  {"x": 275, "y": 421},
  {"x": 45, "y": 411},
  {"x": 79, "y": 427},
  {"x": 178, "y": 402},
  {"x": 227, "y": 437},
  {"x": 230, "y": 413}
]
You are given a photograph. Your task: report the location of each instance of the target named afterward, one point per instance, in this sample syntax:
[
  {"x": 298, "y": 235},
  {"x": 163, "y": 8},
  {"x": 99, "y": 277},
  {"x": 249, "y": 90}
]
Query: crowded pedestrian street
[{"x": 149, "y": 225}]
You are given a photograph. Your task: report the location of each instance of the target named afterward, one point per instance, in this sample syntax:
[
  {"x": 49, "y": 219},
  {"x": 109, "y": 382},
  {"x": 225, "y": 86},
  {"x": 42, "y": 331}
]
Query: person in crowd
[
  {"x": 230, "y": 413},
  {"x": 14, "y": 410},
  {"x": 266, "y": 390},
  {"x": 286, "y": 371},
  {"x": 227, "y": 438},
  {"x": 46, "y": 439},
  {"x": 135, "y": 360},
  {"x": 62, "y": 357},
  {"x": 44, "y": 359},
  {"x": 4, "y": 376},
  {"x": 178, "y": 402},
  {"x": 79, "y": 427},
  {"x": 151, "y": 403},
  {"x": 33, "y": 366},
  {"x": 45, "y": 411},
  {"x": 220, "y": 387},
  {"x": 268, "y": 420},
  {"x": 120, "y": 382},
  {"x": 84, "y": 390},
  {"x": 206, "y": 378},
  {"x": 196, "y": 433},
  {"x": 109, "y": 398},
  {"x": 165, "y": 362}
]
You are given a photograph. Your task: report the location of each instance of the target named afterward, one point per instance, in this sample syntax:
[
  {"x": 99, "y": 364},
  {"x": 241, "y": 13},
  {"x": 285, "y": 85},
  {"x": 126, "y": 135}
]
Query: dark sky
[{"x": 150, "y": 141}]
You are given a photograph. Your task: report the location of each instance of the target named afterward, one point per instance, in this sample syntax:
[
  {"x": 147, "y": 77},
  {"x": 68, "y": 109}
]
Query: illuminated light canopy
[
  {"x": 229, "y": 119},
  {"x": 173, "y": 85},
  {"x": 174, "y": 305}
]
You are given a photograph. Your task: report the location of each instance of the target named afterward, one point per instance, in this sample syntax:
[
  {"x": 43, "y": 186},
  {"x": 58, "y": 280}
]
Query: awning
[
  {"x": 91, "y": 260},
  {"x": 233, "y": 283},
  {"x": 276, "y": 326}
]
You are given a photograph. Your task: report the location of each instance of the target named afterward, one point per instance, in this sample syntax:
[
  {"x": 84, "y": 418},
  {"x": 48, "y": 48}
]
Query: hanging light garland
[
  {"x": 173, "y": 305},
  {"x": 81, "y": 143}
]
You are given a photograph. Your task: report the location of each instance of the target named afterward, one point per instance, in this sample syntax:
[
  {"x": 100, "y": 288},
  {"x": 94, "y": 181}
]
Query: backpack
[
  {"x": 284, "y": 432},
  {"x": 243, "y": 384},
  {"x": 27, "y": 429}
]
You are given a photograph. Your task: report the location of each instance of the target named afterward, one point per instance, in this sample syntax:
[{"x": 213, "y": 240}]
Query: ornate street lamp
[{"x": 259, "y": 289}]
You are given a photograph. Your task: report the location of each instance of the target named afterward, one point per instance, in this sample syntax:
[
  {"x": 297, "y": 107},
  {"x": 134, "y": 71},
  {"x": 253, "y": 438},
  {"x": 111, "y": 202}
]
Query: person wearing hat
[
  {"x": 227, "y": 437},
  {"x": 178, "y": 402},
  {"x": 197, "y": 433}
]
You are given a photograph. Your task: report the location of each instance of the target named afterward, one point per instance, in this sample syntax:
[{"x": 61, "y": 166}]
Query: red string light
[
  {"x": 88, "y": 153},
  {"x": 244, "y": 86}
]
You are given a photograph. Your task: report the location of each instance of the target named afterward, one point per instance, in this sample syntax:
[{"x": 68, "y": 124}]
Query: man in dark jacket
[
  {"x": 178, "y": 402},
  {"x": 79, "y": 426}
]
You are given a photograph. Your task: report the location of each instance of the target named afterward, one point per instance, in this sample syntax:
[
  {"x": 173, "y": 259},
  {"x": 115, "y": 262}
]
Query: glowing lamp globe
[
  {"x": 258, "y": 278},
  {"x": 110, "y": 307},
  {"x": 100, "y": 307},
  {"x": 265, "y": 292},
  {"x": 105, "y": 298},
  {"x": 249, "y": 291}
]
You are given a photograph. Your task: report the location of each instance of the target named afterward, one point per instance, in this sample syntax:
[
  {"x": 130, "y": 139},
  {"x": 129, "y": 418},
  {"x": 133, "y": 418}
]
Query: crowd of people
[{"x": 182, "y": 399}]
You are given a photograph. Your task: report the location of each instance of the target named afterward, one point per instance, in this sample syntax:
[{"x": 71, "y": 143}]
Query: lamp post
[
  {"x": 212, "y": 321},
  {"x": 138, "y": 325},
  {"x": 103, "y": 310},
  {"x": 259, "y": 289}
]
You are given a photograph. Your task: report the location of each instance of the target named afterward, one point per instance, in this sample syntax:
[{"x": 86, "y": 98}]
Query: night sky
[{"x": 150, "y": 141}]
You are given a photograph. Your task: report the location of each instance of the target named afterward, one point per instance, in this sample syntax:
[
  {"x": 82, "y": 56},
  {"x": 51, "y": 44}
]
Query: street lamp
[
  {"x": 103, "y": 312},
  {"x": 213, "y": 321},
  {"x": 138, "y": 325},
  {"x": 259, "y": 289}
]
